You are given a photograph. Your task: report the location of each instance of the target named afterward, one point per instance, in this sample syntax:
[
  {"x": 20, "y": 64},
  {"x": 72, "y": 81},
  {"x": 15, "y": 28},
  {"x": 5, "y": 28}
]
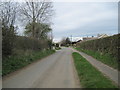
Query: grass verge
[
  {"x": 104, "y": 58},
  {"x": 16, "y": 62},
  {"x": 89, "y": 76}
]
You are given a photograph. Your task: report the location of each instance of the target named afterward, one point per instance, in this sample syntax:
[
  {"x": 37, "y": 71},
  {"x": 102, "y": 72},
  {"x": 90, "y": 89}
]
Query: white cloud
[
  {"x": 63, "y": 0},
  {"x": 74, "y": 39},
  {"x": 71, "y": 16},
  {"x": 80, "y": 16},
  {"x": 85, "y": 0},
  {"x": 56, "y": 40}
]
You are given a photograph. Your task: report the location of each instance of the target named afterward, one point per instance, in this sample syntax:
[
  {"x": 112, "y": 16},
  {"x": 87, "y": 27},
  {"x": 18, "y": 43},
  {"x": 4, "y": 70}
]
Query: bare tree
[
  {"x": 36, "y": 12},
  {"x": 8, "y": 13}
]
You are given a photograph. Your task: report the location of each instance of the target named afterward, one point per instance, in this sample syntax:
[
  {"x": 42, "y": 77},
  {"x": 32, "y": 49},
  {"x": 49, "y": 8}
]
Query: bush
[
  {"x": 105, "y": 49},
  {"x": 22, "y": 43},
  {"x": 104, "y": 45},
  {"x": 26, "y": 43},
  {"x": 8, "y": 38}
]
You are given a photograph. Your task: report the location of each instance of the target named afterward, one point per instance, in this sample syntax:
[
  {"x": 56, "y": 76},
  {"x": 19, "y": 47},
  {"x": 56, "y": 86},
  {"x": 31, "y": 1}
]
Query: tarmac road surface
[{"x": 54, "y": 71}]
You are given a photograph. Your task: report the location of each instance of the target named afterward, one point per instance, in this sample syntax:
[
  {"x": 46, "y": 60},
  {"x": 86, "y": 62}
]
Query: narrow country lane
[{"x": 55, "y": 71}]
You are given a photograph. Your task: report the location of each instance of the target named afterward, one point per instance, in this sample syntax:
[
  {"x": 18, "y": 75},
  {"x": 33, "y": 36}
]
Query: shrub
[{"x": 104, "y": 45}]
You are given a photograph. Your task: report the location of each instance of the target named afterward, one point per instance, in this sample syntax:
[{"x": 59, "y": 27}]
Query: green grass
[
  {"x": 16, "y": 62},
  {"x": 89, "y": 76},
  {"x": 104, "y": 58}
]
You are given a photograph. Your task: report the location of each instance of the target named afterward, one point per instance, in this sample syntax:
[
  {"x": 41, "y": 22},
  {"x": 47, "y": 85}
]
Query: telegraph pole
[
  {"x": 71, "y": 40},
  {"x": 51, "y": 46}
]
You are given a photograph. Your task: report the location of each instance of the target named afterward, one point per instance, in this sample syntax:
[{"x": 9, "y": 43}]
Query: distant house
[
  {"x": 93, "y": 38},
  {"x": 89, "y": 38},
  {"x": 74, "y": 43},
  {"x": 79, "y": 41},
  {"x": 102, "y": 35}
]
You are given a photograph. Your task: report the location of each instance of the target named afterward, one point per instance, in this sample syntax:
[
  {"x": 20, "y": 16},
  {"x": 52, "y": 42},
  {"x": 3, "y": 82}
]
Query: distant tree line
[{"x": 35, "y": 16}]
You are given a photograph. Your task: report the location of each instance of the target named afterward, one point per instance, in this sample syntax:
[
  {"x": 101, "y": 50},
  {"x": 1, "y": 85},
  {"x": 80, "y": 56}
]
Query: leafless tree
[
  {"x": 36, "y": 12},
  {"x": 8, "y": 12}
]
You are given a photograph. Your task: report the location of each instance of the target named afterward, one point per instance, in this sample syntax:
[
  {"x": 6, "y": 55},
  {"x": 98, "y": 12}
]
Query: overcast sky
[{"x": 84, "y": 19}]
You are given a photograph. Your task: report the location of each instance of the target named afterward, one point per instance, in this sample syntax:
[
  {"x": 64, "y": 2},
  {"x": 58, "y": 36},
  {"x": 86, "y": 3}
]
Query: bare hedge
[
  {"x": 108, "y": 45},
  {"x": 26, "y": 43}
]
